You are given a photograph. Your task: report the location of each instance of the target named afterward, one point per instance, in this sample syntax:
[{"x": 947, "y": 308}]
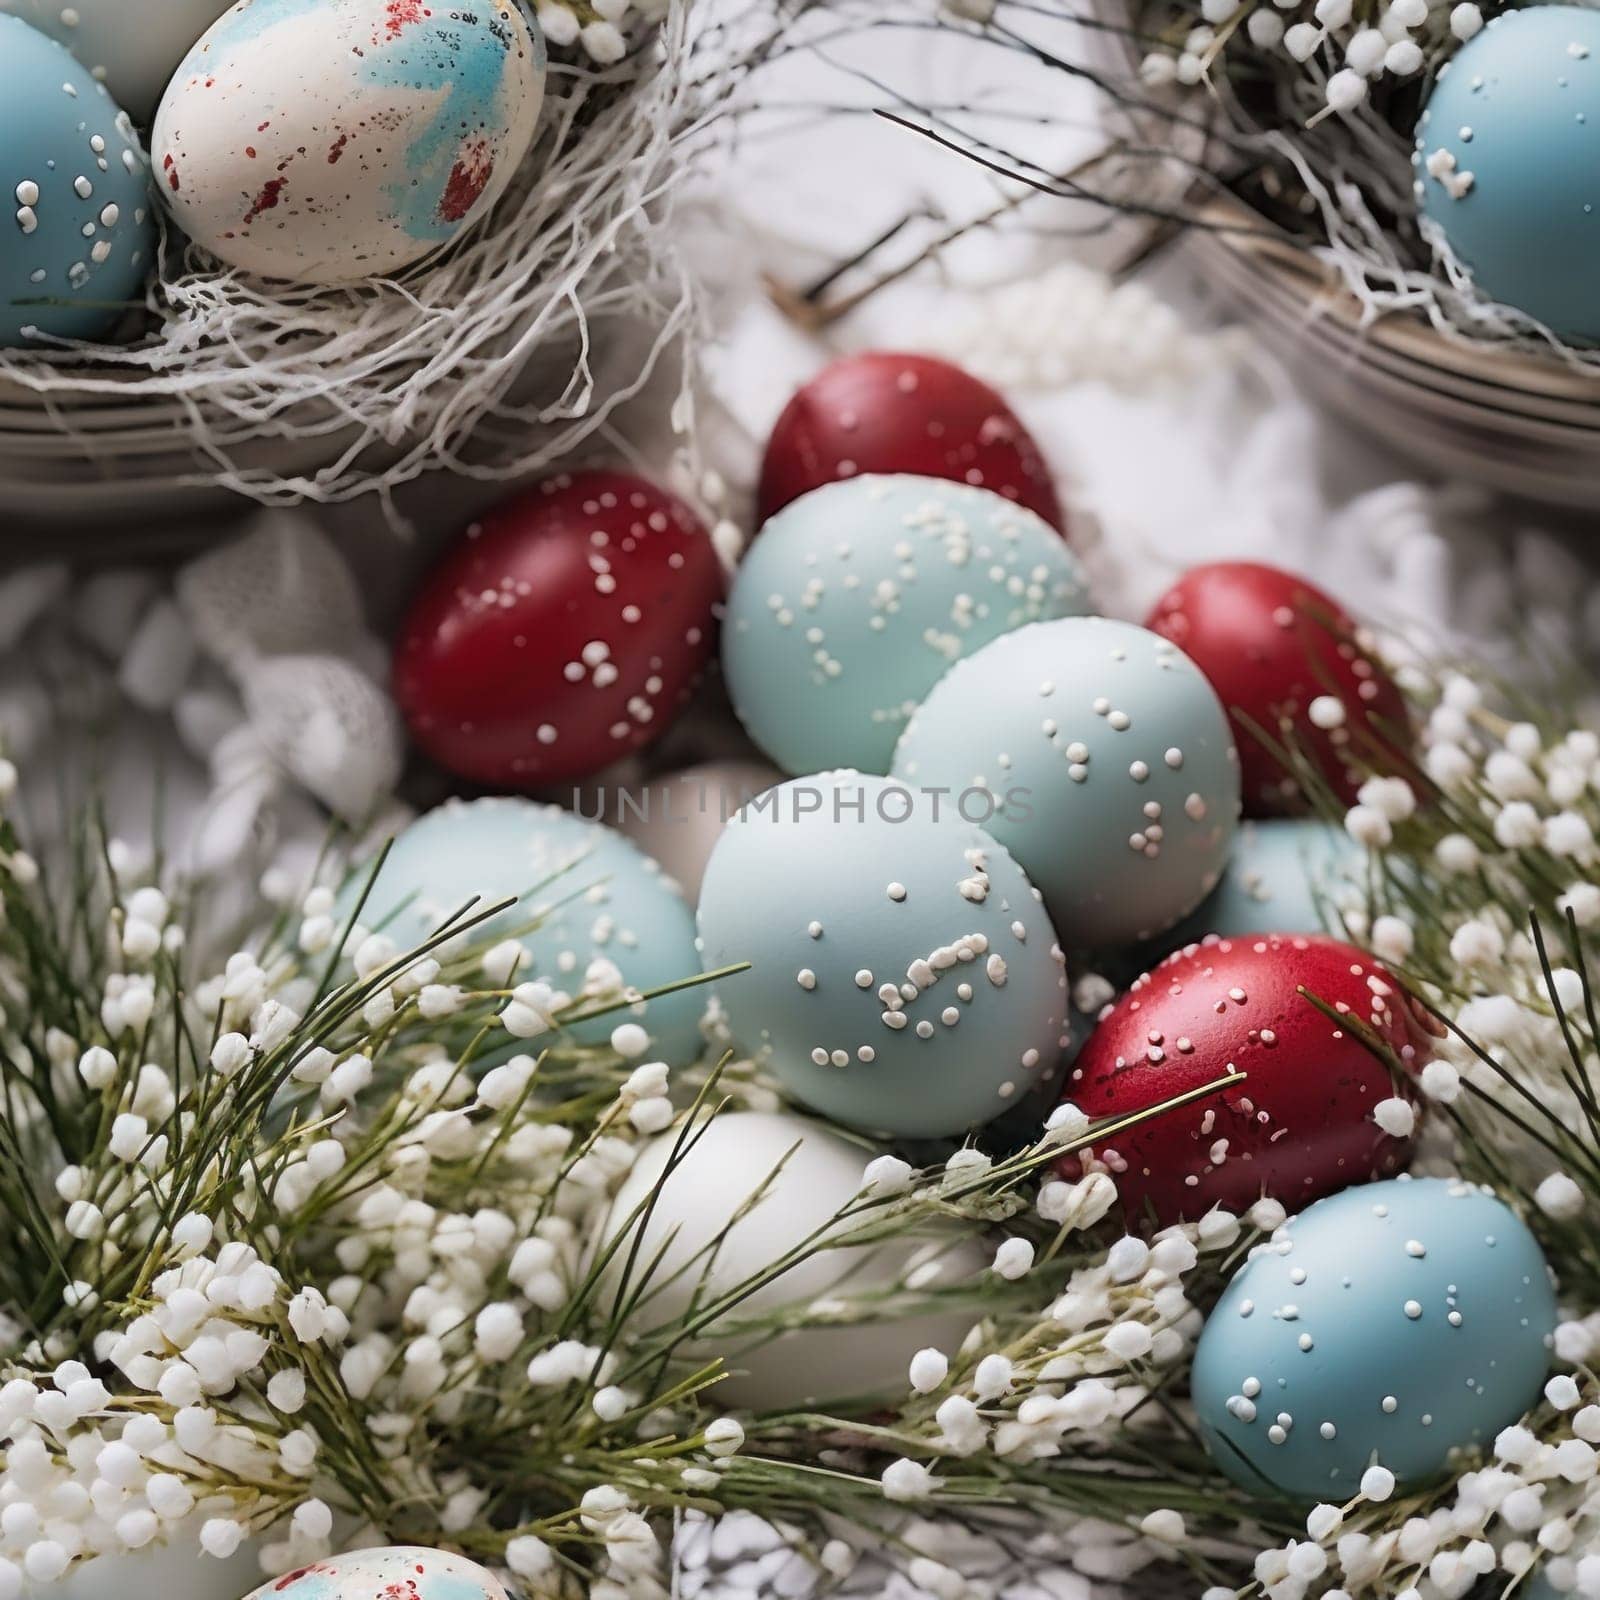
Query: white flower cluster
[
  {"x": 1121, "y": 1324},
  {"x": 599, "y": 27},
  {"x": 1343, "y": 48},
  {"x": 1534, "y": 1505}
]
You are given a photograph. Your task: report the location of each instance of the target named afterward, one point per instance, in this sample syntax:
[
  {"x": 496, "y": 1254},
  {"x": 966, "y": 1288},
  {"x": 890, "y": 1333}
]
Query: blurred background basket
[{"x": 1499, "y": 418}]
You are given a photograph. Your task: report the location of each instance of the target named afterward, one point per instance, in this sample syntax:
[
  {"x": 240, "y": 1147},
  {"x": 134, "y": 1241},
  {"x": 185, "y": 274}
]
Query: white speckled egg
[
  {"x": 399, "y": 1570},
  {"x": 131, "y": 48},
  {"x": 1390, "y": 1323},
  {"x": 173, "y": 1564},
  {"x": 795, "y": 1176},
  {"x": 594, "y": 896},
  {"x": 855, "y": 599},
  {"x": 79, "y": 236},
  {"x": 904, "y": 976},
  {"x": 331, "y": 140},
  {"x": 1112, "y": 774}
]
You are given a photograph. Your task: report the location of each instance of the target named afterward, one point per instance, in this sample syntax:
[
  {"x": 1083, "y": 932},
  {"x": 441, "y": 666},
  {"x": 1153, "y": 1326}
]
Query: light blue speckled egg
[
  {"x": 80, "y": 236},
  {"x": 326, "y": 141},
  {"x": 855, "y": 599},
  {"x": 1390, "y": 1323},
  {"x": 904, "y": 978},
  {"x": 596, "y": 895},
  {"x": 130, "y": 48},
  {"x": 1508, "y": 163},
  {"x": 1109, "y": 764},
  {"x": 1284, "y": 875},
  {"x": 397, "y": 1570}
]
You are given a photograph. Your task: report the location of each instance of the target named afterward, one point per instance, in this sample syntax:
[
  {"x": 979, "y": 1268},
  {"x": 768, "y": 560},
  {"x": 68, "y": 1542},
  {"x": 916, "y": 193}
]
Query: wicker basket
[{"x": 1507, "y": 421}]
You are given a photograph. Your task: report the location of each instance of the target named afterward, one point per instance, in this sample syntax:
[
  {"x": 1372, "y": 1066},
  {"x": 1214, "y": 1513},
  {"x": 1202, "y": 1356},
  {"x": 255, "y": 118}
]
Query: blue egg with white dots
[
  {"x": 81, "y": 234},
  {"x": 594, "y": 896},
  {"x": 1387, "y": 1325},
  {"x": 904, "y": 978},
  {"x": 855, "y": 600},
  {"x": 1507, "y": 163},
  {"x": 1111, "y": 772}
]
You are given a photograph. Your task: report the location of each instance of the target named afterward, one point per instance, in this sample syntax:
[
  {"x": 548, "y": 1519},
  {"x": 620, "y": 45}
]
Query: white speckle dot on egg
[
  {"x": 131, "y": 48},
  {"x": 407, "y": 1570},
  {"x": 737, "y": 1160},
  {"x": 325, "y": 141},
  {"x": 1412, "y": 1355},
  {"x": 912, "y": 905},
  {"x": 855, "y": 599},
  {"x": 596, "y": 896},
  {"x": 1119, "y": 789},
  {"x": 80, "y": 234}
]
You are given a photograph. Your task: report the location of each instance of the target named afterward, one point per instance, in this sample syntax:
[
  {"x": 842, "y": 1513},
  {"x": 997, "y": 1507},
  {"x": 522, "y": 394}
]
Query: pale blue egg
[
  {"x": 854, "y": 600},
  {"x": 1389, "y": 1324},
  {"x": 1108, "y": 764},
  {"x": 594, "y": 894},
  {"x": 1508, "y": 163},
  {"x": 1284, "y": 875},
  {"x": 905, "y": 978},
  {"x": 81, "y": 237}
]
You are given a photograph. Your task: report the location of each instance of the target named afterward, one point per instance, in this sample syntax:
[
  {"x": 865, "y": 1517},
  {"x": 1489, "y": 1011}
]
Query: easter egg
[
  {"x": 856, "y": 599},
  {"x": 1389, "y": 1324},
  {"x": 81, "y": 238},
  {"x": 326, "y": 141},
  {"x": 1272, "y": 645},
  {"x": 595, "y": 898},
  {"x": 1300, "y": 1122},
  {"x": 679, "y": 819},
  {"x": 397, "y": 1570},
  {"x": 174, "y": 1564},
  {"x": 753, "y": 1188},
  {"x": 563, "y": 632},
  {"x": 132, "y": 49},
  {"x": 904, "y": 977},
  {"x": 1505, "y": 163},
  {"x": 887, "y": 412},
  {"x": 1284, "y": 875},
  {"x": 1108, "y": 764}
]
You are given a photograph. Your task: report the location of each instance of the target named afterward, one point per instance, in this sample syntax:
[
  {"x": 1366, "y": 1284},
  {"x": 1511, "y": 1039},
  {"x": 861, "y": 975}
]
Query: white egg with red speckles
[
  {"x": 904, "y": 976},
  {"x": 1112, "y": 775},
  {"x": 394, "y": 1570},
  {"x": 131, "y": 48},
  {"x": 326, "y": 141}
]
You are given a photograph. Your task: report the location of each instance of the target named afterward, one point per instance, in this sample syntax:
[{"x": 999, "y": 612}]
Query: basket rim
[{"x": 1237, "y": 228}]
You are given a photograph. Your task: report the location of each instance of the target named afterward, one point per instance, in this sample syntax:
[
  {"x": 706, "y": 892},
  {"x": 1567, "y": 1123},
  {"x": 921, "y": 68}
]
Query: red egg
[
  {"x": 1270, "y": 644},
  {"x": 1298, "y": 1126},
  {"x": 563, "y": 632},
  {"x": 883, "y": 412}
]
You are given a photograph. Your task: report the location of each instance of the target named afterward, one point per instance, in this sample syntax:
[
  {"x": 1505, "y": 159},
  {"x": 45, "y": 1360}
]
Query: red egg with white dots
[
  {"x": 563, "y": 632},
  {"x": 884, "y": 412},
  {"x": 1286, "y": 660},
  {"x": 1300, "y": 1123}
]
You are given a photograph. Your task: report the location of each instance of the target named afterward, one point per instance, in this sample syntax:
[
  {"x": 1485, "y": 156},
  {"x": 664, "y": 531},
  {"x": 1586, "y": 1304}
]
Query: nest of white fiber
[{"x": 481, "y": 361}]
